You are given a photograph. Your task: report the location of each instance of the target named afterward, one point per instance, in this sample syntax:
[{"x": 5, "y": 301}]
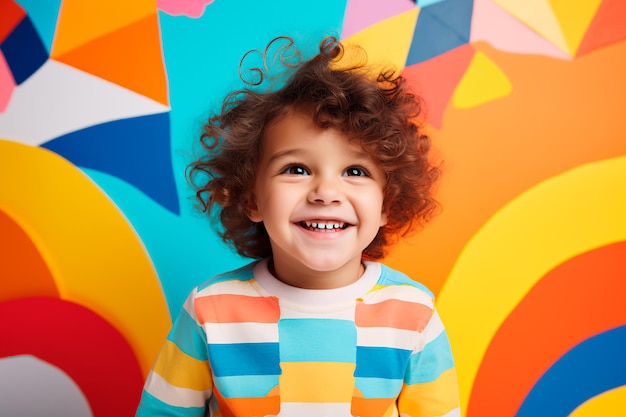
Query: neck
[{"x": 317, "y": 280}]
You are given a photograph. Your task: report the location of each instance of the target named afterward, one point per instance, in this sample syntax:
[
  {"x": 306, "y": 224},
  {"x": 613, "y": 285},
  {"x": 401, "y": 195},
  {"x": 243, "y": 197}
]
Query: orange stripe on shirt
[
  {"x": 393, "y": 313},
  {"x": 248, "y": 407},
  {"x": 367, "y": 407},
  {"x": 219, "y": 309}
]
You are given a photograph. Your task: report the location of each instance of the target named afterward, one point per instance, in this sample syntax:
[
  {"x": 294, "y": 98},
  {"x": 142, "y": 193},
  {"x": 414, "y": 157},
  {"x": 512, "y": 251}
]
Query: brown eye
[
  {"x": 356, "y": 172},
  {"x": 295, "y": 170}
]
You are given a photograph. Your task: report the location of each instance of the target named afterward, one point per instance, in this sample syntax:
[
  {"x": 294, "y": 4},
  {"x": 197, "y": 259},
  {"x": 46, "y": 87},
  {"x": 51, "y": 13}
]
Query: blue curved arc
[{"x": 594, "y": 366}]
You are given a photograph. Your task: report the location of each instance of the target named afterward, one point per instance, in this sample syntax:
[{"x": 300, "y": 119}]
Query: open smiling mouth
[{"x": 324, "y": 226}]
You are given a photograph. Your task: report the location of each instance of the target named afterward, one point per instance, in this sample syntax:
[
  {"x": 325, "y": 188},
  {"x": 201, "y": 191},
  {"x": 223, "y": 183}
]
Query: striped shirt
[{"x": 248, "y": 345}]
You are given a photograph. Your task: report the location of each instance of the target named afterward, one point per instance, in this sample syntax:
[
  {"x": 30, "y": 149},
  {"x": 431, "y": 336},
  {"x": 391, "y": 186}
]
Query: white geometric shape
[
  {"x": 60, "y": 99},
  {"x": 34, "y": 388}
]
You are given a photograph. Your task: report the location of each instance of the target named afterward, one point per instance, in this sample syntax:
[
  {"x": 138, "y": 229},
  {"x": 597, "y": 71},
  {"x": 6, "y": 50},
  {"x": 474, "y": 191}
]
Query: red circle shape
[{"x": 79, "y": 342}]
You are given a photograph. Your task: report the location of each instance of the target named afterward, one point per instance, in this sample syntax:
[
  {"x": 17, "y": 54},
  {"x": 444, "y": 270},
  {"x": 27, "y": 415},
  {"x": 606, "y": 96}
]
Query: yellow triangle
[
  {"x": 380, "y": 48},
  {"x": 574, "y": 18},
  {"x": 82, "y": 21},
  {"x": 483, "y": 82},
  {"x": 539, "y": 16}
]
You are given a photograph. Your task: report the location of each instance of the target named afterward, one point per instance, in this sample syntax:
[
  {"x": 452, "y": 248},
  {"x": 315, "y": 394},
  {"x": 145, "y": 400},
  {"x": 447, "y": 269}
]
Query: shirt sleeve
[
  {"x": 430, "y": 386},
  {"x": 180, "y": 383}
]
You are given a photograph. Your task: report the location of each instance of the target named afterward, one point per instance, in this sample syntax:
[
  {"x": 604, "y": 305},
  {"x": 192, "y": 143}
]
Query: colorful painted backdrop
[{"x": 99, "y": 242}]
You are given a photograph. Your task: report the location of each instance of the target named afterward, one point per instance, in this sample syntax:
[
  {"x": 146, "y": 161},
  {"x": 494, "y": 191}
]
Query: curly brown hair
[{"x": 376, "y": 108}]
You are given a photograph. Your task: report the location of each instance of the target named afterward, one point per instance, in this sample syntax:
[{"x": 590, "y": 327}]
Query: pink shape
[
  {"x": 496, "y": 26},
  {"x": 190, "y": 8},
  {"x": 7, "y": 83},
  {"x": 361, "y": 14},
  {"x": 436, "y": 79}
]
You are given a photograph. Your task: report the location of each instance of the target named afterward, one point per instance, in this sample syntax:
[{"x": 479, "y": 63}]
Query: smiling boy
[
  {"x": 315, "y": 181},
  {"x": 320, "y": 198}
]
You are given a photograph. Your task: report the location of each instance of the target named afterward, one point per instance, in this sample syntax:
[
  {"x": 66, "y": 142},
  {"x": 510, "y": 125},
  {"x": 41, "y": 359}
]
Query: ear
[
  {"x": 252, "y": 208},
  {"x": 383, "y": 219}
]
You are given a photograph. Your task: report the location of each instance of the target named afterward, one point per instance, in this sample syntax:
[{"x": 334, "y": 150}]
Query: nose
[{"x": 325, "y": 190}]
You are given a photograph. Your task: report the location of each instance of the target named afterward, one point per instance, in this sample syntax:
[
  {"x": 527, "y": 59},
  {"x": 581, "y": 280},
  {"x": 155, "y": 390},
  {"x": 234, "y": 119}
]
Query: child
[{"x": 314, "y": 180}]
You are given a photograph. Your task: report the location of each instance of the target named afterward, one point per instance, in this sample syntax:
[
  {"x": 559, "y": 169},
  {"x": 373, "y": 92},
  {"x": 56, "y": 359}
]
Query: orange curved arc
[
  {"x": 24, "y": 272},
  {"x": 578, "y": 299},
  {"x": 539, "y": 230}
]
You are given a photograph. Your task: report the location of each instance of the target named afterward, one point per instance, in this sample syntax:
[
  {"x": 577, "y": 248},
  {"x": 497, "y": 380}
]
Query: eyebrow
[
  {"x": 285, "y": 153},
  {"x": 296, "y": 152}
]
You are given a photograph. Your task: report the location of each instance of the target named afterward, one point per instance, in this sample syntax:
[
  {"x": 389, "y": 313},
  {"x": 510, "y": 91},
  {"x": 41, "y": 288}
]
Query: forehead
[{"x": 296, "y": 129}]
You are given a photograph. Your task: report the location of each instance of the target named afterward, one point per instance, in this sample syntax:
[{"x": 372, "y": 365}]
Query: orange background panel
[
  {"x": 24, "y": 272},
  {"x": 130, "y": 57},
  {"x": 528, "y": 131}
]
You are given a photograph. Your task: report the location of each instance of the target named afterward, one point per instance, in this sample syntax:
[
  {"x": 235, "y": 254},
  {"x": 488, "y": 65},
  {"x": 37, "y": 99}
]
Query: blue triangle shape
[
  {"x": 136, "y": 150},
  {"x": 440, "y": 27}
]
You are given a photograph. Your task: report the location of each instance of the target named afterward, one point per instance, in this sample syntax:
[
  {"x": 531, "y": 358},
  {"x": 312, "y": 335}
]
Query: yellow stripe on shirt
[
  {"x": 182, "y": 370},
  {"x": 430, "y": 399}
]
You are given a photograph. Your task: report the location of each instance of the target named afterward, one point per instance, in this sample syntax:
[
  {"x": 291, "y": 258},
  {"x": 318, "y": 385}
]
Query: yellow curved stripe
[
  {"x": 605, "y": 404},
  {"x": 566, "y": 215},
  {"x": 93, "y": 253}
]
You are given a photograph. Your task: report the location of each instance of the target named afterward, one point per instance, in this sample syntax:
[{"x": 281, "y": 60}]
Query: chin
[{"x": 328, "y": 265}]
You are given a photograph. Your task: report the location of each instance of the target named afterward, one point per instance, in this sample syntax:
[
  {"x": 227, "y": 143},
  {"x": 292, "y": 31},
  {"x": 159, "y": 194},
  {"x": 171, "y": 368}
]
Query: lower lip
[{"x": 324, "y": 233}]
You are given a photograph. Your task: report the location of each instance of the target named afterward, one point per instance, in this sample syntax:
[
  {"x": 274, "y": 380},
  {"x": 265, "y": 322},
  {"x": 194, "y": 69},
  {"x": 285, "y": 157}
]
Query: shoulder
[
  {"x": 240, "y": 275},
  {"x": 390, "y": 277},
  {"x": 397, "y": 301}
]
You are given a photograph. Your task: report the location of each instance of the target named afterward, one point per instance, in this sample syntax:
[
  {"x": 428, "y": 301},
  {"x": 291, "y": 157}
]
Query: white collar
[{"x": 350, "y": 292}]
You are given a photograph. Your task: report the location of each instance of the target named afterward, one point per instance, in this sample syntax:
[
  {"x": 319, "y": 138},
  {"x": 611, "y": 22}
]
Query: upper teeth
[{"x": 325, "y": 225}]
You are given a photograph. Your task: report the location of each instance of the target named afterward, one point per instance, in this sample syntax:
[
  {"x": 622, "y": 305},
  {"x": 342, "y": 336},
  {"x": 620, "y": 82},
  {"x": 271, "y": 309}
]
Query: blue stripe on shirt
[
  {"x": 317, "y": 340},
  {"x": 256, "y": 386},
  {"x": 244, "y": 359},
  {"x": 188, "y": 336},
  {"x": 381, "y": 362},
  {"x": 435, "y": 358}
]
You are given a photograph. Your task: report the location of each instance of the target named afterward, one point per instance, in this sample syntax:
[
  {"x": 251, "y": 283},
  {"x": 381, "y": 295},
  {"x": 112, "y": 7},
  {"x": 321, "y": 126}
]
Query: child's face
[{"x": 320, "y": 198}]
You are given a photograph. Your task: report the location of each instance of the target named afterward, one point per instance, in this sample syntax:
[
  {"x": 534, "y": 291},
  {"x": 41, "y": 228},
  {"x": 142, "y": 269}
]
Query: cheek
[
  {"x": 274, "y": 206},
  {"x": 371, "y": 205}
]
